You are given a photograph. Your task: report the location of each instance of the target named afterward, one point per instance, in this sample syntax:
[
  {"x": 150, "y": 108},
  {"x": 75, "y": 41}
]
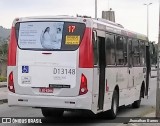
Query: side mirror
[{"x": 95, "y": 35}]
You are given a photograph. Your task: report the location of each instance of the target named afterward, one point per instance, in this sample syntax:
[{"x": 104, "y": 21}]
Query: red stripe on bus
[
  {"x": 12, "y": 48},
  {"x": 86, "y": 50}
]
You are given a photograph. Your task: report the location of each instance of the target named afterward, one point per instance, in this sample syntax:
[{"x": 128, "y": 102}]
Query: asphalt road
[{"x": 79, "y": 118}]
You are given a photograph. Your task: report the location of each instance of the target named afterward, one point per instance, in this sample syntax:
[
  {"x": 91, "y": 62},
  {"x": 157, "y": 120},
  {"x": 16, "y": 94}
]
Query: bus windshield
[{"x": 49, "y": 35}]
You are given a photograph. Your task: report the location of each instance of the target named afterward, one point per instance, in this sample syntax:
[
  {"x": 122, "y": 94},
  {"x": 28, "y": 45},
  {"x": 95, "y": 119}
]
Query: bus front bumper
[{"x": 78, "y": 102}]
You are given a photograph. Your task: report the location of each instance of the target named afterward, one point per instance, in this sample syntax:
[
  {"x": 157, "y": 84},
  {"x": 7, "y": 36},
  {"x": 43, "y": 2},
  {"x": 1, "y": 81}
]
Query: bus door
[
  {"x": 99, "y": 73},
  {"x": 102, "y": 66},
  {"x": 130, "y": 65},
  {"x": 148, "y": 65},
  {"x": 96, "y": 73}
]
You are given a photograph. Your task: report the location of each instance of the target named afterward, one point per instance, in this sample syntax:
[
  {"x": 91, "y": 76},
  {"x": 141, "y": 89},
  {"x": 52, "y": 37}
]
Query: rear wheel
[
  {"x": 114, "y": 108},
  {"x": 50, "y": 112}
]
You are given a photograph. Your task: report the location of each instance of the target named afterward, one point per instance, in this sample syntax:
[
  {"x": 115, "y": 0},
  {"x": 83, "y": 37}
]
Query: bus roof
[{"x": 103, "y": 24}]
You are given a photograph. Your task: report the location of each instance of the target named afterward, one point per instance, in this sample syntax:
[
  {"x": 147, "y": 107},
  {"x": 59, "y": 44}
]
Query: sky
[{"x": 132, "y": 14}]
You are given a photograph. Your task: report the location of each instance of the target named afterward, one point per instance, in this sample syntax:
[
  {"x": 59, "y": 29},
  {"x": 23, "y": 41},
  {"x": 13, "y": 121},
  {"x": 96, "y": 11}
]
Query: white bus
[{"x": 76, "y": 63}]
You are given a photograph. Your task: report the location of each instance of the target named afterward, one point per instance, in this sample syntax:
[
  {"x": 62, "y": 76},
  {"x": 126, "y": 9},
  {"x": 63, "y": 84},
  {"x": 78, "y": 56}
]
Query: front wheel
[
  {"x": 115, "y": 103},
  {"x": 51, "y": 112}
]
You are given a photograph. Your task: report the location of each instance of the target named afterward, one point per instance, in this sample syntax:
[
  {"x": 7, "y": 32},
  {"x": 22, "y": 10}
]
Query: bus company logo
[{"x": 6, "y": 120}]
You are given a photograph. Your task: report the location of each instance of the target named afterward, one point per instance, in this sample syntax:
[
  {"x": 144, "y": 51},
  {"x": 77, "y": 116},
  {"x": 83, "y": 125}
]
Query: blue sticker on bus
[{"x": 25, "y": 69}]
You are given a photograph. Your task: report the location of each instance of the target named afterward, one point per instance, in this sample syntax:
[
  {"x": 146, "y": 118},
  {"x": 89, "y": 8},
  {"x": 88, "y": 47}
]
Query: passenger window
[
  {"x": 130, "y": 53},
  {"x": 142, "y": 53},
  {"x": 110, "y": 49},
  {"x": 125, "y": 51},
  {"x": 95, "y": 48},
  {"x": 119, "y": 51},
  {"x": 136, "y": 53}
]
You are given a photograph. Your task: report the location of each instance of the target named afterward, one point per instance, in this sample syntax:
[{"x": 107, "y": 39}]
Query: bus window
[
  {"x": 110, "y": 49},
  {"x": 136, "y": 54},
  {"x": 45, "y": 36},
  {"x": 119, "y": 51},
  {"x": 95, "y": 48},
  {"x": 142, "y": 53},
  {"x": 125, "y": 51},
  {"x": 130, "y": 53}
]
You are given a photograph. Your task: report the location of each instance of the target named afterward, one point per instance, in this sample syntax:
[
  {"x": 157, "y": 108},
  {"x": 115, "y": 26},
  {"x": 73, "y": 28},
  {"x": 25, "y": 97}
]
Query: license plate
[{"x": 46, "y": 90}]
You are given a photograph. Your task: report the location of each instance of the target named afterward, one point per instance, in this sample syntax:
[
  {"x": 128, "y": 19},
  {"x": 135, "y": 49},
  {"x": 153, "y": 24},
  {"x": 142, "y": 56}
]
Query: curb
[
  {"x": 2, "y": 86},
  {"x": 2, "y": 101}
]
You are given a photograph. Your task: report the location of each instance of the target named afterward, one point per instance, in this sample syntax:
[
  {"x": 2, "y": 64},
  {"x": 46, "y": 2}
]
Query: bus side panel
[
  {"x": 138, "y": 80},
  {"x": 119, "y": 76},
  {"x": 95, "y": 89},
  {"x": 88, "y": 73},
  {"x": 12, "y": 48},
  {"x": 116, "y": 76}
]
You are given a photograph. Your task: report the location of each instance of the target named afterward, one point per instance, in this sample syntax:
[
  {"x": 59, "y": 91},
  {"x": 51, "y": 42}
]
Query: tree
[{"x": 3, "y": 50}]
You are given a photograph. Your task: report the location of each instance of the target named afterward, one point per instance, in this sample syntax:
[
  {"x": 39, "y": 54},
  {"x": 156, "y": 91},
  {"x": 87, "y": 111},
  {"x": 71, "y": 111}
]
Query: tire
[
  {"x": 50, "y": 112},
  {"x": 114, "y": 107},
  {"x": 137, "y": 104}
]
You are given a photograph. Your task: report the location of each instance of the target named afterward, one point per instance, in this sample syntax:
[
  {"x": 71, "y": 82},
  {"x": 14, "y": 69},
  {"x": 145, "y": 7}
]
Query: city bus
[{"x": 65, "y": 63}]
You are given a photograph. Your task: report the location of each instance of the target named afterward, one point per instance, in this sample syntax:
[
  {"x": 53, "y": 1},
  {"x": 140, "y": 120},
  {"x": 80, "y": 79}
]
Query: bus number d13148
[{"x": 63, "y": 71}]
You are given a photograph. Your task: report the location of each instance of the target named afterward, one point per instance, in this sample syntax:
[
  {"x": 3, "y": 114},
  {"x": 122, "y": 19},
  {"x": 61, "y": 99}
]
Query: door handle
[{"x": 129, "y": 71}]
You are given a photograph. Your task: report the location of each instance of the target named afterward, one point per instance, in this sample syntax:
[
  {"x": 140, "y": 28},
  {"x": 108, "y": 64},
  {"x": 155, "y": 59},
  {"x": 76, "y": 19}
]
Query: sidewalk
[
  {"x": 148, "y": 124},
  {"x": 3, "y": 92},
  {"x": 150, "y": 117}
]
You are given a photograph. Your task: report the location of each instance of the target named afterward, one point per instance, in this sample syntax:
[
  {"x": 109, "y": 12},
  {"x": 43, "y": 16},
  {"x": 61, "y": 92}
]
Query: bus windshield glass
[{"x": 49, "y": 35}]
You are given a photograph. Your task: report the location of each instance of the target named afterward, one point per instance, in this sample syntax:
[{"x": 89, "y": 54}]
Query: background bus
[{"x": 74, "y": 63}]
